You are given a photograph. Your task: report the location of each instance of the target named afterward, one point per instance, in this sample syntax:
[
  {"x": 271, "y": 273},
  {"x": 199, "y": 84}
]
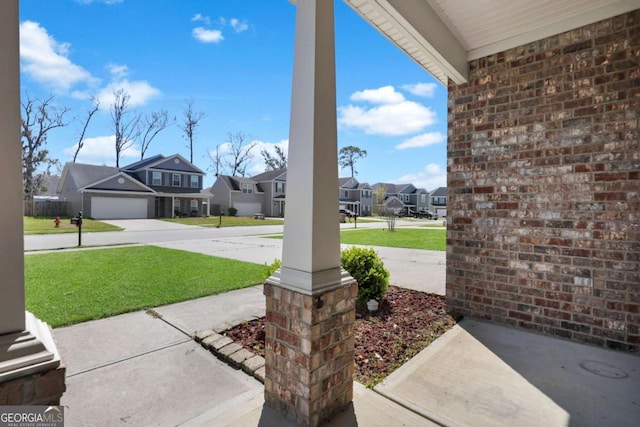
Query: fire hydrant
[{"x": 57, "y": 222}]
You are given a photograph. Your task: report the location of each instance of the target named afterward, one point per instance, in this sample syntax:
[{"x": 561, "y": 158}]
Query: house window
[
  {"x": 175, "y": 179},
  {"x": 156, "y": 178},
  {"x": 247, "y": 188},
  {"x": 194, "y": 181},
  {"x": 194, "y": 204},
  {"x": 346, "y": 193},
  {"x": 423, "y": 198},
  {"x": 279, "y": 187}
]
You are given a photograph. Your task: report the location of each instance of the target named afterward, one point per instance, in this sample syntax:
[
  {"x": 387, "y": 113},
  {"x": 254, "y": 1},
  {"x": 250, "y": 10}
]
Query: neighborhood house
[{"x": 157, "y": 187}]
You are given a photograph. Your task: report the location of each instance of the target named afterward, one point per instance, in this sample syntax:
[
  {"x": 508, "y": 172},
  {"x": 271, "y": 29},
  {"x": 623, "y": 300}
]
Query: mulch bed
[{"x": 406, "y": 322}]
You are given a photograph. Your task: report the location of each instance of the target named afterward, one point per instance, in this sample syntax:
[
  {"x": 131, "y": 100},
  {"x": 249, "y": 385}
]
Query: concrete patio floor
[{"x": 138, "y": 369}]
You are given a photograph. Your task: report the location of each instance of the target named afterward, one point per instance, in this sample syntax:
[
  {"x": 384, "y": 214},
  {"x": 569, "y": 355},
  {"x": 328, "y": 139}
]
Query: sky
[{"x": 234, "y": 60}]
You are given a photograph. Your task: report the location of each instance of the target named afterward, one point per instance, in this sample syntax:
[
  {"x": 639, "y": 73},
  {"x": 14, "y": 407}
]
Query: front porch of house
[
  {"x": 168, "y": 205},
  {"x": 542, "y": 208}
]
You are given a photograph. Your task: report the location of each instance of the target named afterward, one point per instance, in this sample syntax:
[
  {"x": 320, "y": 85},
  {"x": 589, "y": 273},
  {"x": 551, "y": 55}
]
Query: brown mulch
[{"x": 406, "y": 322}]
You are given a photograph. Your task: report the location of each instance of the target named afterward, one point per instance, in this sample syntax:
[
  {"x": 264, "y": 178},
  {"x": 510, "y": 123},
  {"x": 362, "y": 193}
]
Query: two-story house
[
  {"x": 355, "y": 196},
  {"x": 265, "y": 193},
  {"x": 439, "y": 201},
  {"x": 400, "y": 198},
  {"x": 157, "y": 187}
]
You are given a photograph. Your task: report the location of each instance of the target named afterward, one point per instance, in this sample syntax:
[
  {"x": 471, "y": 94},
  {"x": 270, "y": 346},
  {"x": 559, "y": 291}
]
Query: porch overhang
[{"x": 443, "y": 36}]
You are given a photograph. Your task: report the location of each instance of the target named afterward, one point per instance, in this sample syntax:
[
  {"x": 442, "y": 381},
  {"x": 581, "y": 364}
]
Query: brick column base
[
  {"x": 309, "y": 352},
  {"x": 42, "y": 388}
]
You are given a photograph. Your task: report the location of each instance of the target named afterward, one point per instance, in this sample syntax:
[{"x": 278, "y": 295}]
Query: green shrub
[
  {"x": 269, "y": 269},
  {"x": 232, "y": 211},
  {"x": 367, "y": 268}
]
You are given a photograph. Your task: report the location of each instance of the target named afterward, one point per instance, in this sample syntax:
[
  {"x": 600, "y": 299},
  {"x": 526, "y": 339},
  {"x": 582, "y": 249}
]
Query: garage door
[
  {"x": 248, "y": 209},
  {"x": 118, "y": 208}
]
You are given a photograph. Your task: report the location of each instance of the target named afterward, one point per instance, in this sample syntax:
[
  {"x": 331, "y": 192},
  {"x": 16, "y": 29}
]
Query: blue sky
[{"x": 234, "y": 59}]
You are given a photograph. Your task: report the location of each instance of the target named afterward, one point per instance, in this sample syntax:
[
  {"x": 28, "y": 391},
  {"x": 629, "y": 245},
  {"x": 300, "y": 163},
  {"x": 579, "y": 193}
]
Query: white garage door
[
  {"x": 248, "y": 209},
  {"x": 118, "y": 208}
]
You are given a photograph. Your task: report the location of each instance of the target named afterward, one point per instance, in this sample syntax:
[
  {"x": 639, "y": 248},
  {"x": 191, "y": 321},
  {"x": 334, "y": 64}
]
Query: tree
[
  {"x": 125, "y": 122},
  {"x": 90, "y": 113},
  {"x": 191, "y": 121},
  {"x": 278, "y": 161},
  {"x": 379, "y": 195},
  {"x": 39, "y": 117},
  {"x": 151, "y": 126},
  {"x": 216, "y": 160},
  {"x": 349, "y": 155},
  {"x": 239, "y": 155}
]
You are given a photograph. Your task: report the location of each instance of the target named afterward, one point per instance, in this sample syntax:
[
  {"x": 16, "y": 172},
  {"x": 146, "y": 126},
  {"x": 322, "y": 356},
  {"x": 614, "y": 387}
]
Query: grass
[
  {"x": 46, "y": 225},
  {"x": 227, "y": 221},
  {"x": 408, "y": 238},
  {"x": 73, "y": 287}
]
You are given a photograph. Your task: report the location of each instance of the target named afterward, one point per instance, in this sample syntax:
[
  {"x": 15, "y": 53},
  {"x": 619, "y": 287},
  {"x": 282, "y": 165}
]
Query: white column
[
  {"x": 11, "y": 234},
  {"x": 26, "y": 345},
  {"x": 311, "y": 247}
]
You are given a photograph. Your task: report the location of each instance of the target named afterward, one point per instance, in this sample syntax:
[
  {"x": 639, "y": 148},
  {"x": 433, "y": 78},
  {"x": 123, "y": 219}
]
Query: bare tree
[
  {"x": 90, "y": 113},
  {"x": 379, "y": 196},
  {"x": 239, "y": 155},
  {"x": 278, "y": 161},
  {"x": 191, "y": 121},
  {"x": 151, "y": 126},
  {"x": 39, "y": 117},
  {"x": 349, "y": 155},
  {"x": 125, "y": 122},
  {"x": 216, "y": 161}
]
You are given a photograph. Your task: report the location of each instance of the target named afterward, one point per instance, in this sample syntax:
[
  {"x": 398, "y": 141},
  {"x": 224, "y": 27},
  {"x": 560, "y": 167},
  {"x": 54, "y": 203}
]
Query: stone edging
[{"x": 225, "y": 349}]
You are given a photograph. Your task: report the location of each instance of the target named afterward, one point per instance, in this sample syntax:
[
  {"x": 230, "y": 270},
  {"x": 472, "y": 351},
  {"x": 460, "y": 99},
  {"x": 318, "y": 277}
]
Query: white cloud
[
  {"x": 238, "y": 25},
  {"x": 383, "y": 95},
  {"x": 101, "y": 150},
  {"x": 426, "y": 90},
  {"x": 140, "y": 92},
  {"x": 207, "y": 36},
  {"x": 198, "y": 17},
  {"x": 423, "y": 140},
  {"x": 393, "y": 119},
  {"x": 393, "y": 115},
  {"x": 46, "y": 60},
  {"x": 118, "y": 71},
  {"x": 430, "y": 177}
]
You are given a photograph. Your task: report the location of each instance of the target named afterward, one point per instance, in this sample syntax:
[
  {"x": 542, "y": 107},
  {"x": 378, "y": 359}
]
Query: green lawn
[
  {"x": 227, "y": 221},
  {"x": 46, "y": 225},
  {"x": 408, "y": 238},
  {"x": 73, "y": 287}
]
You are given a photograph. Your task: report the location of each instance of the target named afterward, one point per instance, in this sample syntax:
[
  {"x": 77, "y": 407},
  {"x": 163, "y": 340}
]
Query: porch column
[
  {"x": 311, "y": 300},
  {"x": 29, "y": 363}
]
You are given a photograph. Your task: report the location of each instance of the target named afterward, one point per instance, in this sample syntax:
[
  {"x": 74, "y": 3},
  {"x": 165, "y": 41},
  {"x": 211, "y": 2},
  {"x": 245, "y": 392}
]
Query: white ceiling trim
[{"x": 392, "y": 24}]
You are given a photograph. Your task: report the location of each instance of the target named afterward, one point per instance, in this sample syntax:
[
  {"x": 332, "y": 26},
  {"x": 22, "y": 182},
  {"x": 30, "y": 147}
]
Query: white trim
[
  {"x": 133, "y": 193},
  {"x": 126, "y": 176}
]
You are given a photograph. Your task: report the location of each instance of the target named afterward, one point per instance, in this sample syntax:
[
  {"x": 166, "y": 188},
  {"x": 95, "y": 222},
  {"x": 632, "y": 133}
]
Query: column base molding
[
  {"x": 310, "y": 283},
  {"x": 28, "y": 352}
]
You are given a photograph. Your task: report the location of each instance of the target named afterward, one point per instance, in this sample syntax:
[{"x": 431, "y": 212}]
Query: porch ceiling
[{"x": 443, "y": 35}]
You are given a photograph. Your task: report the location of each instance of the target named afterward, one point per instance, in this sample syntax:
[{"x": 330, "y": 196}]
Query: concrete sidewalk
[
  {"x": 416, "y": 269},
  {"x": 144, "y": 369}
]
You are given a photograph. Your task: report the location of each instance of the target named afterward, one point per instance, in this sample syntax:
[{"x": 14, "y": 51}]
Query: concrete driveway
[{"x": 147, "y": 224}]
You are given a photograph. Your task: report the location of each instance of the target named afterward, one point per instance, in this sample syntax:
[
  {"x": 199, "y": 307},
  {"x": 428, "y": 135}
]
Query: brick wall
[{"x": 544, "y": 186}]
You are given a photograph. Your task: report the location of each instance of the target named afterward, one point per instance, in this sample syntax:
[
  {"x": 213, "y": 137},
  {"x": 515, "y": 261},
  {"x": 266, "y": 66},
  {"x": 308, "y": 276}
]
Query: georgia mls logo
[{"x": 31, "y": 416}]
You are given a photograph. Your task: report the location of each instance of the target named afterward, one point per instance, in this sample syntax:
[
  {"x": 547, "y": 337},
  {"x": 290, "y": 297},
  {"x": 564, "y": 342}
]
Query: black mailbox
[{"x": 77, "y": 220}]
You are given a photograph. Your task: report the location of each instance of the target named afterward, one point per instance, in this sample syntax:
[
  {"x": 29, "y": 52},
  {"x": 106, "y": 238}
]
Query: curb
[{"x": 225, "y": 349}]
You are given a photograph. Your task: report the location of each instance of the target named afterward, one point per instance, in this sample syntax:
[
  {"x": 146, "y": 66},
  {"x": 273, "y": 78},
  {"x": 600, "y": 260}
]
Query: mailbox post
[{"x": 77, "y": 221}]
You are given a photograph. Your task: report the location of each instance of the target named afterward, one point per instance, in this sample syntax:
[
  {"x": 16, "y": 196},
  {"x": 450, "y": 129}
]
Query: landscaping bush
[
  {"x": 269, "y": 269},
  {"x": 232, "y": 211},
  {"x": 367, "y": 268}
]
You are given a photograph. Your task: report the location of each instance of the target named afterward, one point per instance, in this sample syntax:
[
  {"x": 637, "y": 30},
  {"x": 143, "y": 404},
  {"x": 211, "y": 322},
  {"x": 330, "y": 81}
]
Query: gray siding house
[{"x": 157, "y": 187}]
